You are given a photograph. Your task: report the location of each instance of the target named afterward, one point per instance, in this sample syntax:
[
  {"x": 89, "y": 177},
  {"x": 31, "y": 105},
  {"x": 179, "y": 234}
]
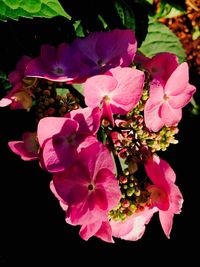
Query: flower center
[
  {"x": 90, "y": 187},
  {"x": 165, "y": 97},
  {"x": 58, "y": 71},
  {"x": 106, "y": 99}
]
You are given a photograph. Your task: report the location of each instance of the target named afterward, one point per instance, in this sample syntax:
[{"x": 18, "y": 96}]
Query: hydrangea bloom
[
  {"x": 61, "y": 139},
  {"x": 28, "y": 148},
  {"x": 61, "y": 64},
  {"x": 119, "y": 90},
  {"x": 89, "y": 187},
  {"x": 20, "y": 97},
  {"x": 165, "y": 195},
  {"x": 165, "y": 103},
  {"x": 101, "y": 51},
  {"x": 102, "y": 147},
  {"x": 159, "y": 66}
]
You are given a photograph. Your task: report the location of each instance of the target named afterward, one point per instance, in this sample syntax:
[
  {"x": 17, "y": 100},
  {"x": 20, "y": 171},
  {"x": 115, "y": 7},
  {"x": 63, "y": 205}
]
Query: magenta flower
[
  {"x": 101, "y": 51},
  {"x": 165, "y": 195},
  {"x": 133, "y": 227},
  {"x": 99, "y": 229},
  {"x": 61, "y": 64},
  {"x": 119, "y": 90},
  {"x": 17, "y": 75},
  {"x": 164, "y": 106},
  {"x": 89, "y": 187},
  {"x": 61, "y": 139},
  {"x": 28, "y": 148},
  {"x": 160, "y": 66},
  {"x": 17, "y": 98}
]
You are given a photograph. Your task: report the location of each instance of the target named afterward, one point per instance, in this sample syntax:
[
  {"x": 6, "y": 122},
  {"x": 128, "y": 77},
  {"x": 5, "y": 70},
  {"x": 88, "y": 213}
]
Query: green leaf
[
  {"x": 126, "y": 14},
  {"x": 78, "y": 28},
  {"x": 78, "y": 87},
  {"x": 62, "y": 91},
  {"x": 161, "y": 39},
  {"x": 13, "y": 9},
  {"x": 4, "y": 81}
]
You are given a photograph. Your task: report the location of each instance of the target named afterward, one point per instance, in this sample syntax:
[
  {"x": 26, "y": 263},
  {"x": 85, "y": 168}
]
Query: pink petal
[
  {"x": 169, "y": 115},
  {"x": 157, "y": 170},
  {"x": 97, "y": 87},
  {"x": 65, "y": 182},
  {"x": 105, "y": 232},
  {"x": 50, "y": 126},
  {"x": 62, "y": 52},
  {"x": 151, "y": 110},
  {"x": 141, "y": 59},
  {"x": 159, "y": 197},
  {"x": 112, "y": 194},
  {"x": 19, "y": 148},
  {"x": 5, "y": 102},
  {"x": 23, "y": 62},
  {"x": 162, "y": 65},
  {"x": 98, "y": 157},
  {"x": 88, "y": 119},
  {"x": 128, "y": 91},
  {"x": 182, "y": 99},
  {"x": 166, "y": 220},
  {"x": 36, "y": 68},
  {"x": 48, "y": 54},
  {"x": 98, "y": 198},
  {"x": 15, "y": 77},
  {"x": 63, "y": 204},
  {"x": 178, "y": 80},
  {"x": 58, "y": 157},
  {"x": 151, "y": 116},
  {"x": 117, "y": 46},
  {"x": 107, "y": 113},
  {"x": 87, "y": 46},
  {"x": 133, "y": 228},
  {"x": 89, "y": 230},
  {"x": 79, "y": 214}
]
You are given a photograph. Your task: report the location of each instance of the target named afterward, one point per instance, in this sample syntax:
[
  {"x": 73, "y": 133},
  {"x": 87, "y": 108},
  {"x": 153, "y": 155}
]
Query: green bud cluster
[
  {"x": 134, "y": 198},
  {"x": 49, "y": 103}
]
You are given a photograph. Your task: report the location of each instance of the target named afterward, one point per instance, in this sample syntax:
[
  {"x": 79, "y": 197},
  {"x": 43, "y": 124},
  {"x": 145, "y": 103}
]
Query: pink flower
[
  {"x": 61, "y": 139},
  {"x": 165, "y": 195},
  {"x": 27, "y": 149},
  {"x": 132, "y": 228},
  {"x": 119, "y": 90},
  {"x": 18, "y": 97},
  {"x": 99, "y": 229},
  {"x": 89, "y": 187},
  {"x": 164, "y": 106},
  {"x": 61, "y": 64},
  {"x": 160, "y": 66},
  {"x": 17, "y": 75},
  {"x": 101, "y": 51}
]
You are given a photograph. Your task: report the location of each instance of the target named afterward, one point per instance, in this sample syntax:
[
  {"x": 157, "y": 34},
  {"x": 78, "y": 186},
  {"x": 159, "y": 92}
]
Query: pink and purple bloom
[
  {"x": 28, "y": 148},
  {"x": 90, "y": 189},
  {"x": 20, "y": 96},
  {"x": 165, "y": 103},
  {"x": 101, "y": 51},
  {"x": 56, "y": 64},
  {"x": 61, "y": 139},
  {"x": 160, "y": 66},
  {"x": 118, "y": 90},
  {"x": 165, "y": 195}
]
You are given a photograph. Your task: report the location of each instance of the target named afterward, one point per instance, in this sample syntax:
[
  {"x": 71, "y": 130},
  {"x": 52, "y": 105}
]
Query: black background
[{"x": 32, "y": 225}]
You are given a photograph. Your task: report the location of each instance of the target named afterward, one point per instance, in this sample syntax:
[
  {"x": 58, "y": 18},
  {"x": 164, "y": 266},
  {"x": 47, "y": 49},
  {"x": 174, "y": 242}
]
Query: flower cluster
[{"x": 101, "y": 145}]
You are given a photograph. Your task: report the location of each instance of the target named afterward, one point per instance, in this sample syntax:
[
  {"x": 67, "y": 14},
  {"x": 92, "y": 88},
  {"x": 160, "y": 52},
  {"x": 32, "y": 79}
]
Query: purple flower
[{"x": 61, "y": 64}]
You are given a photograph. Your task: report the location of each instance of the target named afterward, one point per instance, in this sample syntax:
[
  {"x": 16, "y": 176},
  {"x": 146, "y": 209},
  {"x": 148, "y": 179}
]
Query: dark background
[{"x": 32, "y": 225}]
